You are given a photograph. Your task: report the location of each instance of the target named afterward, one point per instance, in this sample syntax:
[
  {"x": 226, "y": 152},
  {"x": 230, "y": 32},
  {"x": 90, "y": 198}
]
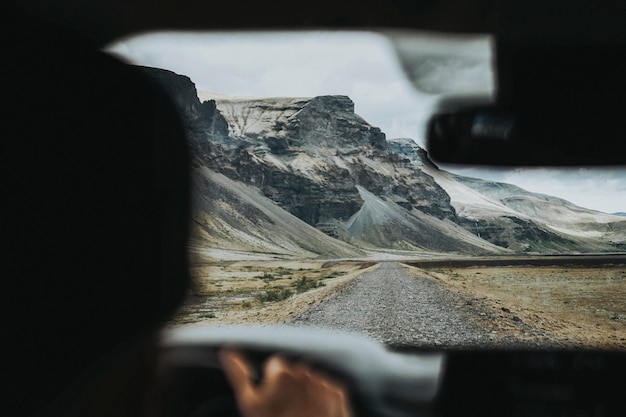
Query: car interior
[{"x": 535, "y": 119}]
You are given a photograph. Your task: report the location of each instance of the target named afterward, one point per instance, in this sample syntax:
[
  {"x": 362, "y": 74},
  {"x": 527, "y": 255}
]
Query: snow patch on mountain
[
  {"x": 556, "y": 213},
  {"x": 466, "y": 201},
  {"x": 254, "y": 116}
]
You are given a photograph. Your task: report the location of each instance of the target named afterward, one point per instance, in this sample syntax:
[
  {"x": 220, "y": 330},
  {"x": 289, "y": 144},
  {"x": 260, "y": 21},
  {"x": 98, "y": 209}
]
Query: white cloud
[
  {"x": 360, "y": 65},
  {"x": 363, "y": 66}
]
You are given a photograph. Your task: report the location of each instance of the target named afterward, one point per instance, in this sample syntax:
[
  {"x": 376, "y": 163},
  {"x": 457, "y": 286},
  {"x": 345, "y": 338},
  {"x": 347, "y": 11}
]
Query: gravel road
[{"x": 401, "y": 309}]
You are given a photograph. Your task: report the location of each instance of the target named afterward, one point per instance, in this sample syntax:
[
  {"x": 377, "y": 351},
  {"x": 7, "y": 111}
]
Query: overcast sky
[{"x": 364, "y": 67}]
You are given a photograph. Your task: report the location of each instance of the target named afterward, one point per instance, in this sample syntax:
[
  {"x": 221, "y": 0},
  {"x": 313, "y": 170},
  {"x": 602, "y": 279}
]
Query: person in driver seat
[{"x": 94, "y": 226}]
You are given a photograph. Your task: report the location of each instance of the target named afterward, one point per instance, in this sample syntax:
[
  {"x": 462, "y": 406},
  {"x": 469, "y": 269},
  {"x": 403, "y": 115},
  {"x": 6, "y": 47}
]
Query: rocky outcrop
[
  {"x": 310, "y": 155},
  {"x": 321, "y": 194},
  {"x": 204, "y": 125},
  {"x": 518, "y": 234},
  {"x": 431, "y": 198},
  {"x": 281, "y": 124},
  {"x": 330, "y": 121}
]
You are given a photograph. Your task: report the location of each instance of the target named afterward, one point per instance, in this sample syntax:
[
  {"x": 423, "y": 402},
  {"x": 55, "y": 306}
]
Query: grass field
[
  {"x": 261, "y": 291},
  {"x": 571, "y": 306},
  {"x": 577, "y": 306}
]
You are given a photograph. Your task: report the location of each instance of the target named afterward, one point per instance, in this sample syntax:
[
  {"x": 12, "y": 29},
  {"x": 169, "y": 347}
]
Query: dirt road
[{"x": 401, "y": 309}]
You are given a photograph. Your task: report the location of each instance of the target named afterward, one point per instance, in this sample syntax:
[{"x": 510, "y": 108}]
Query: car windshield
[{"x": 316, "y": 204}]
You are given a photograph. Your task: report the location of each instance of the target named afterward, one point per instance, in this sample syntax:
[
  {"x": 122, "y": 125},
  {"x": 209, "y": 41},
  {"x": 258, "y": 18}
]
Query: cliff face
[
  {"x": 320, "y": 164},
  {"x": 330, "y": 122},
  {"x": 206, "y": 128},
  {"x": 310, "y": 155},
  {"x": 282, "y": 123}
]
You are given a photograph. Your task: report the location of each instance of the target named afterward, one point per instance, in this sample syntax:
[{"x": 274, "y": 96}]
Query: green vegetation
[
  {"x": 268, "y": 277},
  {"x": 305, "y": 284},
  {"x": 221, "y": 287},
  {"x": 282, "y": 271},
  {"x": 276, "y": 294}
]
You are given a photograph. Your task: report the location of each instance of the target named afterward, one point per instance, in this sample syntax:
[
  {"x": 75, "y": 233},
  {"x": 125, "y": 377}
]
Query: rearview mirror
[
  {"x": 501, "y": 137},
  {"x": 481, "y": 135},
  {"x": 555, "y": 105},
  {"x": 551, "y": 137}
]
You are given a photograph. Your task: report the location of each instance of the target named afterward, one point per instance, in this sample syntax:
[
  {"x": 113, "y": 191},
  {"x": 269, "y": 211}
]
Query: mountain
[
  {"x": 230, "y": 218},
  {"x": 321, "y": 162},
  {"x": 308, "y": 177},
  {"x": 556, "y": 214}
]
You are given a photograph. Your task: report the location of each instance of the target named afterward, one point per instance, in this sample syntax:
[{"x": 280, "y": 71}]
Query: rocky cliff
[
  {"x": 315, "y": 158},
  {"x": 327, "y": 168},
  {"x": 206, "y": 128}
]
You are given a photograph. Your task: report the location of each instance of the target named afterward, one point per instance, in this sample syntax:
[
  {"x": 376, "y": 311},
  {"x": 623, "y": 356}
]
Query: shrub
[
  {"x": 277, "y": 294},
  {"x": 268, "y": 277},
  {"x": 305, "y": 284}
]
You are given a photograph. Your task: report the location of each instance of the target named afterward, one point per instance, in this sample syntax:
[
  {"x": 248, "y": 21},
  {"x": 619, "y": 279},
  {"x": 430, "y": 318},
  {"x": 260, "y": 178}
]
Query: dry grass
[
  {"x": 261, "y": 291},
  {"x": 579, "y": 307},
  {"x": 574, "y": 306}
]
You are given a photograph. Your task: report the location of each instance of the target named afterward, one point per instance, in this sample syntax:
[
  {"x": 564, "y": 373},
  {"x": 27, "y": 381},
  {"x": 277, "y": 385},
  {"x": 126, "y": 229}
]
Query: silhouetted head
[{"x": 94, "y": 217}]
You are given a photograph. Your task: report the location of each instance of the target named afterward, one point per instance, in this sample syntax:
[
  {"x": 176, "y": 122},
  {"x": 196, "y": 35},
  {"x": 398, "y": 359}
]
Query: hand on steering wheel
[{"x": 286, "y": 390}]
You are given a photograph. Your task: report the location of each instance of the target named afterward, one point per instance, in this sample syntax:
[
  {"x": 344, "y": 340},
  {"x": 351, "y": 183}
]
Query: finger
[
  {"x": 336, "y": 394},
  {"x": 340, "y": 398},
  {"x": 238, "y": 372},
  {"x": 327, "y": 379},
  {"x": 275, "y": 364},
  {"x": 336, "y": 399},
  {"x": 276, "y": 370},
  {"x": 346, "y": 409}
]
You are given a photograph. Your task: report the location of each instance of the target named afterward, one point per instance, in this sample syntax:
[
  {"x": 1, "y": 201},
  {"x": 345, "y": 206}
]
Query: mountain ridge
[{"x": 321, "y": 164}]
